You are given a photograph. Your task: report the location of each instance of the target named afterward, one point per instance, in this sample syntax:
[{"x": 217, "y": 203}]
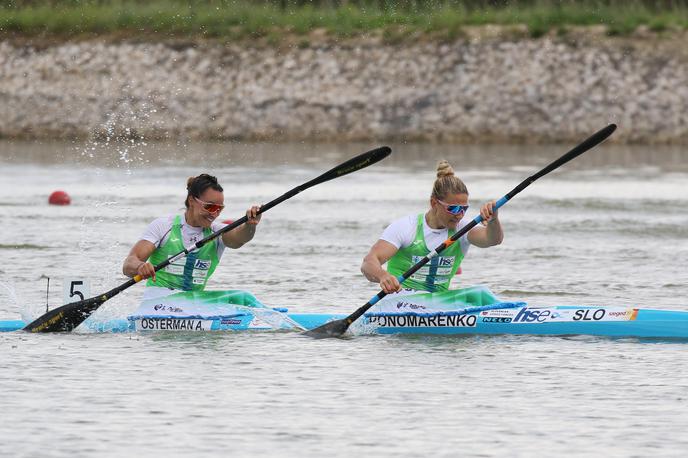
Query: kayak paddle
[
  {"x": 338, "y": 327},
  {"x": 69, "y": 316}
]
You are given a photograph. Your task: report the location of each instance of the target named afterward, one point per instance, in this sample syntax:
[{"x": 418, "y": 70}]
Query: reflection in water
[{"x": 264, "y": 155}]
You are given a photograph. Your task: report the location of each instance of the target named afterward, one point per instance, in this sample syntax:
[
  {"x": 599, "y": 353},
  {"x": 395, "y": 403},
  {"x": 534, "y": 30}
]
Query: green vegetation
[{"x": 237, "y": 19}]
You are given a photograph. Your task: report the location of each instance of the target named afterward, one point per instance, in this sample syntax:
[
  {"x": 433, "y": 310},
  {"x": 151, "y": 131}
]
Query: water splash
[
  {"x": 118, "y": 151},
  {"x": 277, "y": 320},
  {"x": 9, "y": 300}
]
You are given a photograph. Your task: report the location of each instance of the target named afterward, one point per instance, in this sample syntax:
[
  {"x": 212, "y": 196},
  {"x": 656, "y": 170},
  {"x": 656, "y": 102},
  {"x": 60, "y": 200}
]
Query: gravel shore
[{"x": 481, "y": 88}]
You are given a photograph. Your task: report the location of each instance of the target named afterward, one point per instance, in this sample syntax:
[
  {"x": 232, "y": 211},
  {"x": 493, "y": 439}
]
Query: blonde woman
[{"x": 407, "y": 240}]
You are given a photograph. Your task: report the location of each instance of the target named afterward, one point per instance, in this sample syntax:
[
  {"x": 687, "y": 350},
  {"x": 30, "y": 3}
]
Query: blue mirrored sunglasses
[{"x": 454, "y": 209}]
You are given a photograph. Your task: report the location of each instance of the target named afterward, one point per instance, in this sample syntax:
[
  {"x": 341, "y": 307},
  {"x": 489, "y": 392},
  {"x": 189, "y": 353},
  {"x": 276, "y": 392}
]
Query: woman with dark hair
[
  {"x": 169, "y": 235},
  {"x": 407, "y": 240}
]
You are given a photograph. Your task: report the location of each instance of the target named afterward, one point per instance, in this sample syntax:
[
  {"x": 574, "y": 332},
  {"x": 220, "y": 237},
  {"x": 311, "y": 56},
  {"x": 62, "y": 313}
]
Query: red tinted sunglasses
[{"x": 209, "y": 206}]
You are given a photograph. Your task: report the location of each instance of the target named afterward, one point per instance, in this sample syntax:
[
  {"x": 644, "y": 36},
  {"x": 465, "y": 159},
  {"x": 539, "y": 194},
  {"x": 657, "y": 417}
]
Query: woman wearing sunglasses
[
  {"x": 407, "y": 240},
  {"x": 169, "y": 235}
]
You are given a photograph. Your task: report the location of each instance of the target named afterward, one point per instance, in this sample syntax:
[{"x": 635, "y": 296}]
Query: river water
[{"x": 609, "y": 228}]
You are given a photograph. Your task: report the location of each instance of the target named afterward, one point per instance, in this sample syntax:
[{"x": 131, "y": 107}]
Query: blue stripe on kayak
[{"x": 11, "y": 325}]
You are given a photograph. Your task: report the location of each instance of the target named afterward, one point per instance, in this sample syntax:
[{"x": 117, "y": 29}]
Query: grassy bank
[{"x": 242, "y": 19}]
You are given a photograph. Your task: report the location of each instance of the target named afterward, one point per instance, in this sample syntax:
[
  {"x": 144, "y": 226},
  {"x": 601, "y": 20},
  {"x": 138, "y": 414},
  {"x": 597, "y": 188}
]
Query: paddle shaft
[
  {"x": 67, "y": 317},
  {"x": 587, "y": 144}
]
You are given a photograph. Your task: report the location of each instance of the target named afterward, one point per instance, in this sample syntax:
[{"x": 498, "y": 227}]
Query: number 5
[
  {"x": 73, "y": 293},
  {"x": 75, "y": 289}
]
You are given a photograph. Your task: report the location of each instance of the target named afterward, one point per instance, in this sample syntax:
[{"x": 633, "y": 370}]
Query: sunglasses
[
  {"x": 209, "y": 206},
  {"x": 453, "y": 209}
]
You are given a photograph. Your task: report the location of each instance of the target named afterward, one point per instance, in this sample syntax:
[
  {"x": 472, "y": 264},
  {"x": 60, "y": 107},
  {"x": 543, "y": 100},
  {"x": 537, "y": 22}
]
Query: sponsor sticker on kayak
[
  {"x": 418, "y": 321},
  {"x": 553, "y": 314},
  {"x": 231, "y": 321},
  {"x": 500, "y": 312},
  {"x": 497, "y": 315},
  {"x": 172, "y": 324}
]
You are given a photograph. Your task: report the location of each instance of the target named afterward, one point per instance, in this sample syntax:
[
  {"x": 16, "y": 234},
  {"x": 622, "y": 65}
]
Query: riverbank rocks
[{"x": 475, "y": 89}]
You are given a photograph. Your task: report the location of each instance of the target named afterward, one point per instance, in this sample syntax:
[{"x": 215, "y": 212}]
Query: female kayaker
[
  {"x": 407, "y": 240},
  {"x": 164, "y": 237}
]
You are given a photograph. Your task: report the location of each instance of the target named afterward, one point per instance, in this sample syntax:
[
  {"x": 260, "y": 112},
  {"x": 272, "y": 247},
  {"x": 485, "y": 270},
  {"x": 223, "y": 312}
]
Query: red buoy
[{"x": 59, "y": 198}]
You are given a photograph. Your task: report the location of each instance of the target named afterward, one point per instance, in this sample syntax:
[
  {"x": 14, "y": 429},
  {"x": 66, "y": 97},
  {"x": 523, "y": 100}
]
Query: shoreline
[{"x": 488, "y": 86}]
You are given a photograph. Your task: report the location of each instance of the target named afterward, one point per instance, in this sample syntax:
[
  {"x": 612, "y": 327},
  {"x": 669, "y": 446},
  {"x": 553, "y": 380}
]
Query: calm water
[{"x": 609, "y": 228}]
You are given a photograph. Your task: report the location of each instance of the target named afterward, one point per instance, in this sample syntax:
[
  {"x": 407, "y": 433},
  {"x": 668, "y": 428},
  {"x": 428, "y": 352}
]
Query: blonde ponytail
[
  {"x": 446, "y": 182},
  {"x": 444, "y": 169}
]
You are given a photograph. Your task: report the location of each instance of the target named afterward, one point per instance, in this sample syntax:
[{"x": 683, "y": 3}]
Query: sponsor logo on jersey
[
  {"x": 202, "y": 264},
  {"x": 442, "y": 265},
  {"x": 445, "y": 261},
  {"x": 175, "y": 269}
]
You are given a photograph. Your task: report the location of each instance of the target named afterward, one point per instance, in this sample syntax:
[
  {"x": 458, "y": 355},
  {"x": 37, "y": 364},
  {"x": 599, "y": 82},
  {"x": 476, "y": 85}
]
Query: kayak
[{"x": 468, "y": 311}]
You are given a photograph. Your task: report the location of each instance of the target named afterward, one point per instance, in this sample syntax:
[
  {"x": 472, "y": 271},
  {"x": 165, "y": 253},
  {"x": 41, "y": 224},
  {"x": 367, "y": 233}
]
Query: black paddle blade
[
  {"x": 590, "y": 142},
  {"x": 66, "y": 317},
  {"x": 335, "y": 328},
  {"x": 361, "y": 161},
  {"x": 352, "y": 165}
]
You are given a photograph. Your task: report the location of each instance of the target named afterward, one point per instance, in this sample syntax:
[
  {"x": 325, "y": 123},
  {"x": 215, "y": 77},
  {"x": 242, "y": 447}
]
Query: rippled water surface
[{"x": 609, "y": 228}]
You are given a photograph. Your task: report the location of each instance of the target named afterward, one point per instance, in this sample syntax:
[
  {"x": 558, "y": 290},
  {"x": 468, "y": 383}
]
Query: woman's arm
[
  {"x": 372, "y": 268},
  {"x": 237, "y": 237},
  {"x": 135, "y": 263},
  {"x": 491, "y": 234}
]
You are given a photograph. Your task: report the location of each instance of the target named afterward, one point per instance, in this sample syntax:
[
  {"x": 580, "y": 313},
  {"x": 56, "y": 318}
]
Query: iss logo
[
  {"x": 202, "y": 264},
  {"x": 446, "y": 262}
]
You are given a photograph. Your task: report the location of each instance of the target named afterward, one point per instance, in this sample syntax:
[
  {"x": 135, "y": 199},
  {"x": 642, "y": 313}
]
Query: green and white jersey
[
  {"x": 414, "y": 239},
  {"x": 171, "y": 235},
  {"x": 158, "y": 232}
]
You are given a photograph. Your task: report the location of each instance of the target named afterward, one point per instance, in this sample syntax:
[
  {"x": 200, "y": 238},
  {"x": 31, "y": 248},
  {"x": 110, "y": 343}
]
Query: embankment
[{"x": 481, "y": 87}]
